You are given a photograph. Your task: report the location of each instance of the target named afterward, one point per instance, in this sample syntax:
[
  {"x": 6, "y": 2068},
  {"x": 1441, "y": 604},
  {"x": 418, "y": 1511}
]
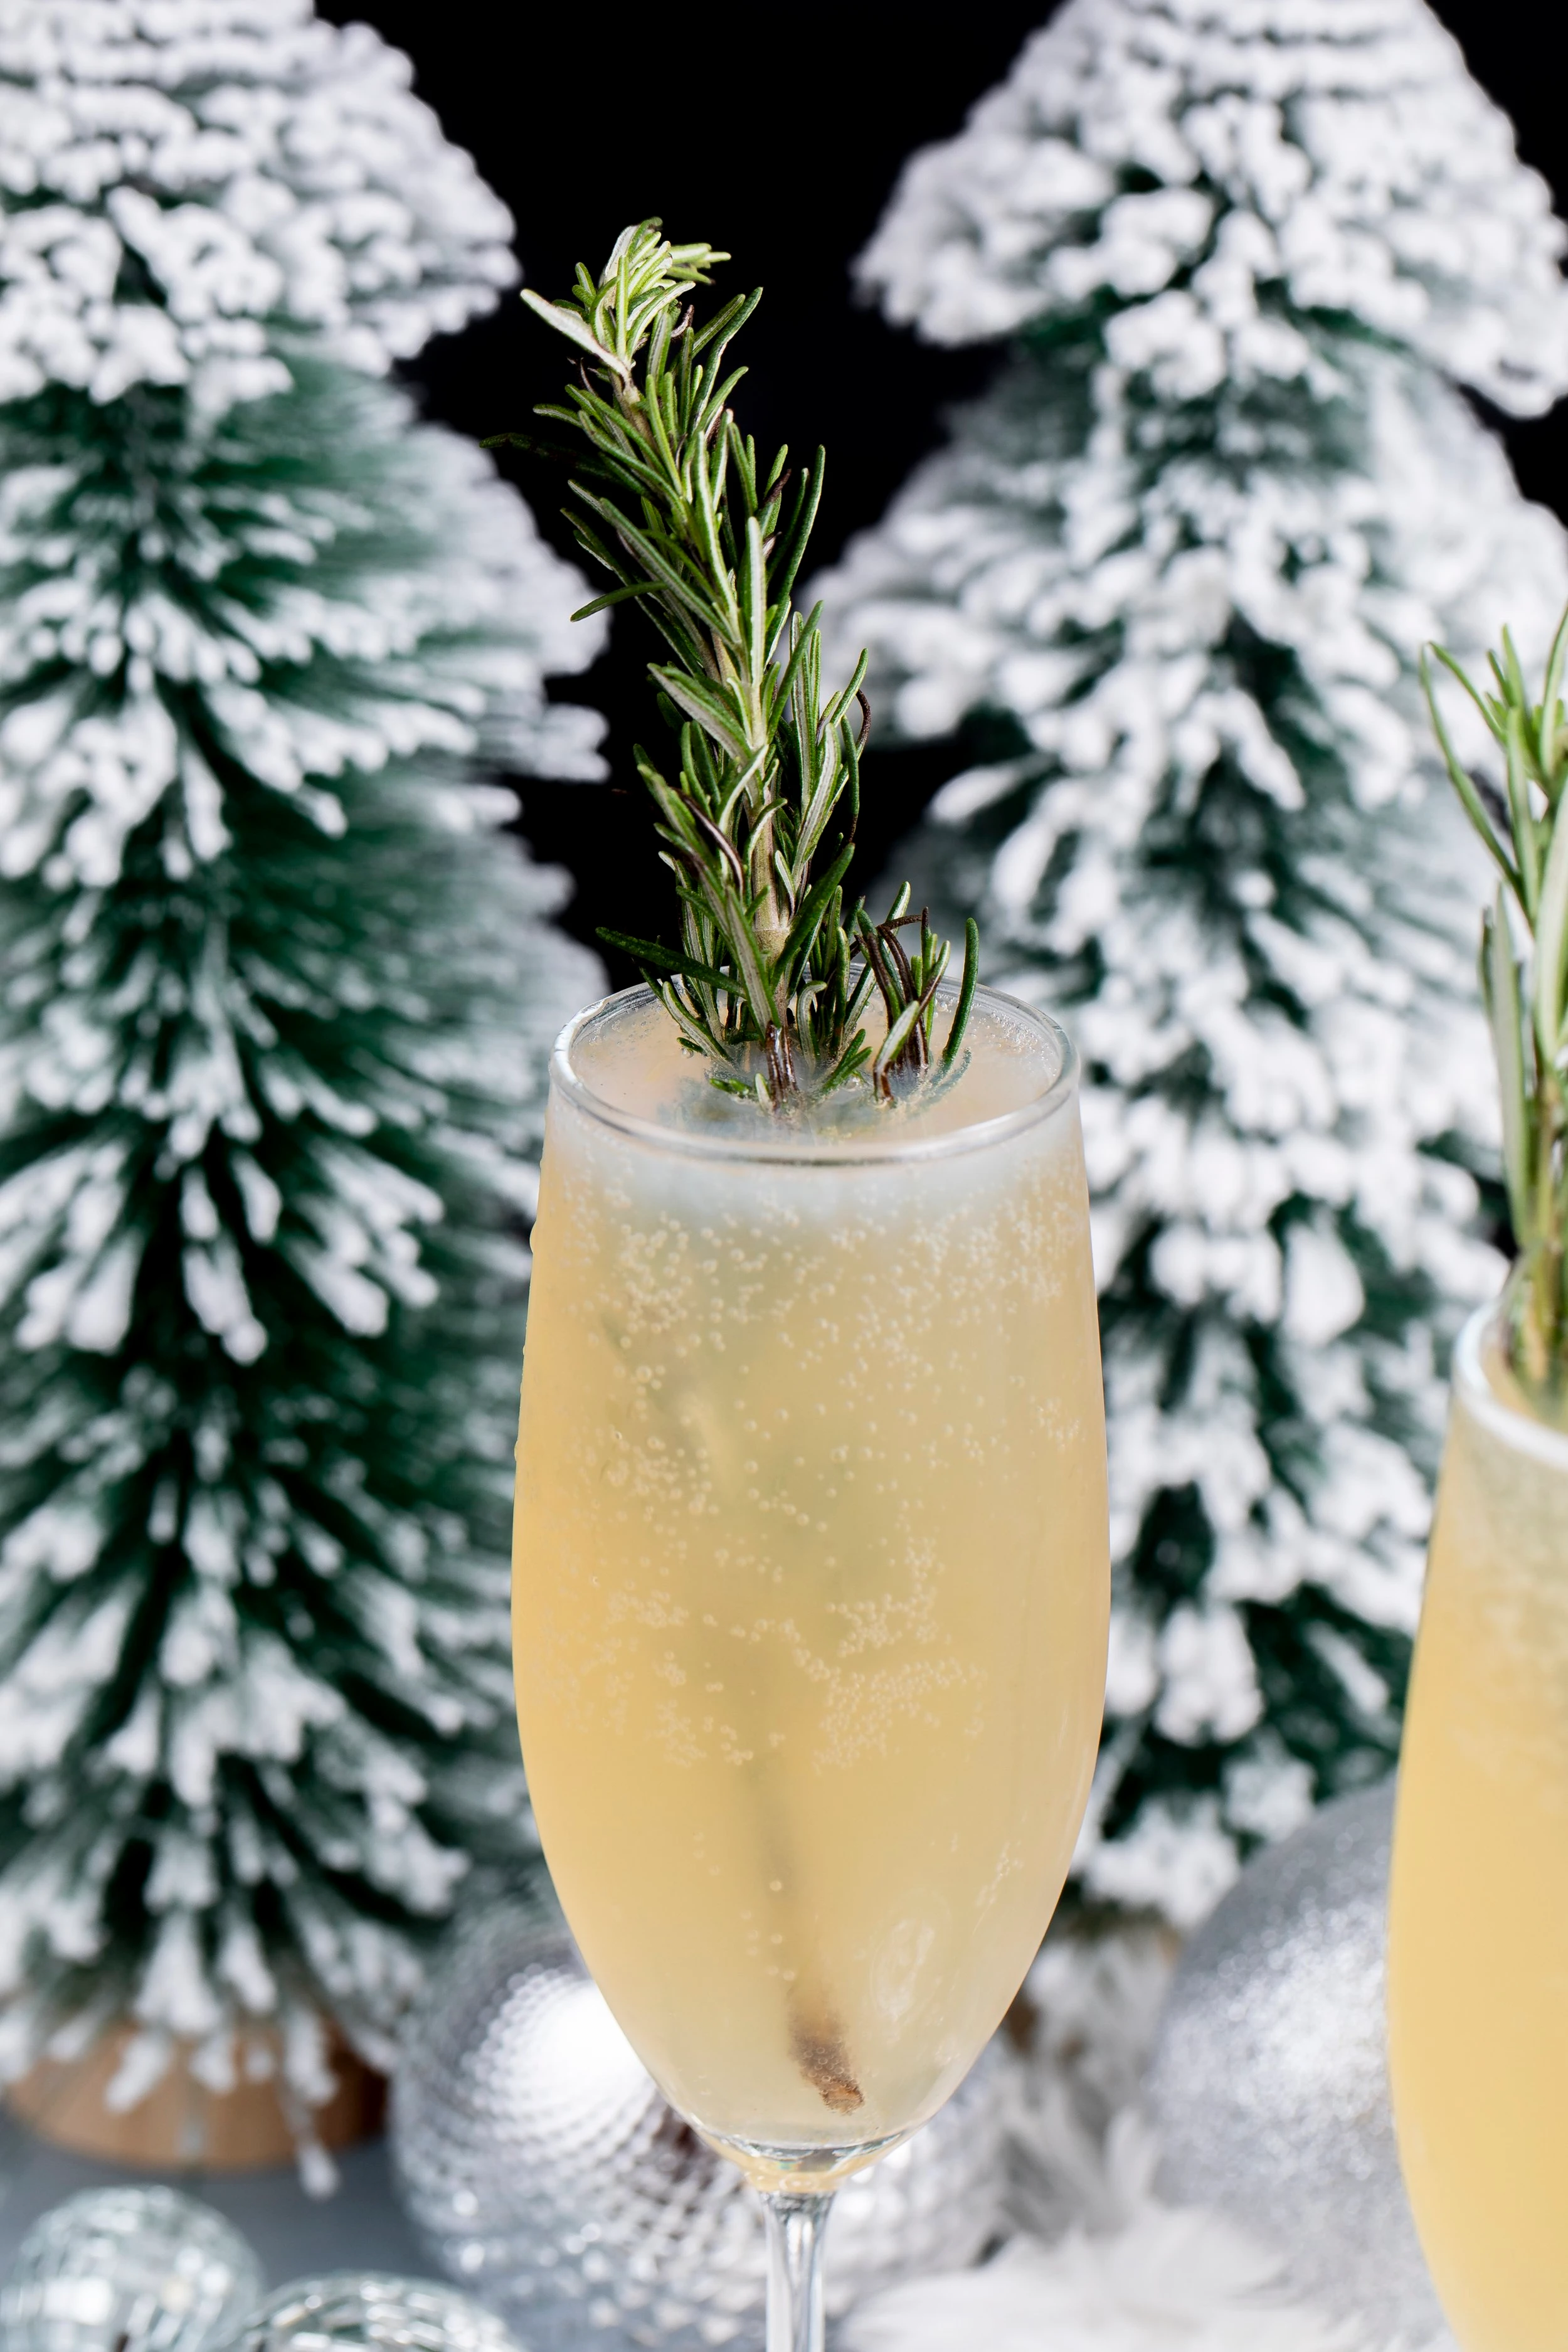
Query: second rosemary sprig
[
  {"x": 776, "y": 967},
  {"x": 1525, "y": 830}
]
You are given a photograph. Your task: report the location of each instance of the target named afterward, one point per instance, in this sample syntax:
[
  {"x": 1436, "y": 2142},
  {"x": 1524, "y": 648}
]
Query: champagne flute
[
  {"x": 811, "y": 1580},
  {"x": 1477, "y": 1933},
  {"x": 1478, "y": 1928}
]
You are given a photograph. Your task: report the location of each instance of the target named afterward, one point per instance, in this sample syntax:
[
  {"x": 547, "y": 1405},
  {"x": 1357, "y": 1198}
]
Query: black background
[{"x": 777, "y": 132}]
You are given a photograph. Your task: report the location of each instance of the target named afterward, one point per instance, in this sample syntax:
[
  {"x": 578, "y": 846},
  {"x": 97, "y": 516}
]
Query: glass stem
[{"x": 796, "y": 2226}]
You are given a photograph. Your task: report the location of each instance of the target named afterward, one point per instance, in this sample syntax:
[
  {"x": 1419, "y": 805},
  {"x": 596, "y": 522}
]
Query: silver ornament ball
[
  {"x": 354, "y": 2308},
  {"x": 545, "y": 2169},
  {"x": 127, "y": 2270},
  {"x": 1269, "y": 2078}
]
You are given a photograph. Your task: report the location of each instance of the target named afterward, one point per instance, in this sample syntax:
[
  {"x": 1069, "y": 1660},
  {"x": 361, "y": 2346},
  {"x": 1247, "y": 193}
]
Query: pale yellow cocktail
[
  {"x": 1478, "y": 1992},
  {"x": 811, "y": 1572}
]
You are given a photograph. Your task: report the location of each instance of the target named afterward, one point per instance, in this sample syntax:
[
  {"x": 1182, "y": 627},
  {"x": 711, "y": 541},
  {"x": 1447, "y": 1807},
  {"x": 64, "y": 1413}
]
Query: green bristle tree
[{"x": 278, "y": 1000}]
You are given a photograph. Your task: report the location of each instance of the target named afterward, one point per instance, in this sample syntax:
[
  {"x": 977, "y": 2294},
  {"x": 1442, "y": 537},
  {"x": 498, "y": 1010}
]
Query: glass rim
[
  {"x": 868, "y": 1150},
  {"x": 1511, "y": 1423}
]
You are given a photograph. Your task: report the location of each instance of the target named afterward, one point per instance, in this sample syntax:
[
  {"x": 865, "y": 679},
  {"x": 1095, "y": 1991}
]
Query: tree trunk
[{"x": 180, "y": 2124}]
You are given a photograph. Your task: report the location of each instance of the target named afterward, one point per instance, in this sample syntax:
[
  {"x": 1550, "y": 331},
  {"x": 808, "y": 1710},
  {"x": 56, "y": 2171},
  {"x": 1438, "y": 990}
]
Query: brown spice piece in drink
[{"x": 819, "y": 2052}]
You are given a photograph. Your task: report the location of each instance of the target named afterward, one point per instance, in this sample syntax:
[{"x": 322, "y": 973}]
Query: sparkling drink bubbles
[{"x": 811, "y": 1570}]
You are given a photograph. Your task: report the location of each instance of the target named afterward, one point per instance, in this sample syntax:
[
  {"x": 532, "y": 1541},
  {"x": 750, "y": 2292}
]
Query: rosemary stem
[
  {"x": 759, "y": 822},
  {"x": 1524, "y": 980}
]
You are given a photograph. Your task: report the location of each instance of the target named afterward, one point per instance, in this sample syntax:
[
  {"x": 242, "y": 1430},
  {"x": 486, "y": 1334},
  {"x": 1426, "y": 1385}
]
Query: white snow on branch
[
  {"x": 1005, "y": 564},
  {"x": 447, "y": 645},
  {"x": 195, "y": 188},
  {"x": 1321, "y": 157},
  {"x": 58, "y": 1677}
]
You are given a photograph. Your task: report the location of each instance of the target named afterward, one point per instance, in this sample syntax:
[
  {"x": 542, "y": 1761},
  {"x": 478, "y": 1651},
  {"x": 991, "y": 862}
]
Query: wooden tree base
[{"x": 180, "y": 2124}]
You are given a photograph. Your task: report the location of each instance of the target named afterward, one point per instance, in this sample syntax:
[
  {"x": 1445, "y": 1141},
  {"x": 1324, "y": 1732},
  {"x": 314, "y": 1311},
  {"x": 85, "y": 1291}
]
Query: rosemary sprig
[
  {"x": 1526, "y": 992},
  {"x": 776, "y": 967}
]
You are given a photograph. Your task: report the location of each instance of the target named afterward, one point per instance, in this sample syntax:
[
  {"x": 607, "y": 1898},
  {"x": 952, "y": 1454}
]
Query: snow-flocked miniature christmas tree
[
  {"x": 1170, "y": 579},
  {"x": 277, "y": 1003}
]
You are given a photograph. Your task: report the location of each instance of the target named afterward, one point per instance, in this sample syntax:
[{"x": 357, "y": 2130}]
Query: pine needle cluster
[{"x": 776, "y": 967}]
